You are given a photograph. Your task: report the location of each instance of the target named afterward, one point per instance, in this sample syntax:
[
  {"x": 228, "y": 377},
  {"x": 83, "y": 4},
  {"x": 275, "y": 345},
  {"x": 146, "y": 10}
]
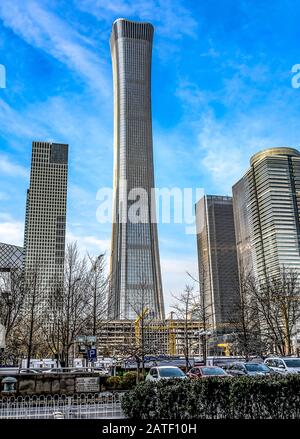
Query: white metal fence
[{"x": 81, "y": 406}]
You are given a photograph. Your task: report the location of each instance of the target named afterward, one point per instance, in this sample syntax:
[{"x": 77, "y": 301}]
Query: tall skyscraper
[
  {"x": 218, "y": 269},
  {"x": 135, "y": 265},
  {"x": 45, "y": 224},
  {"x": 266, "y": 209}
]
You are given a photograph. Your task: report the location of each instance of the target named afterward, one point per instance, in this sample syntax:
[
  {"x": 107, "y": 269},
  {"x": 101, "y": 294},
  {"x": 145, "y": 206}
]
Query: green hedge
[
  {"x": 126, "y": 382},
  {"x": 215, "y": 398}
]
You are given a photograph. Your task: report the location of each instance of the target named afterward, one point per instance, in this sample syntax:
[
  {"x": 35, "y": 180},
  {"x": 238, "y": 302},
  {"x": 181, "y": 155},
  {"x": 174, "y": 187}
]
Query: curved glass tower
[
  {"x": 135, "y": 266},
  {"x": 267, "y": 213}
]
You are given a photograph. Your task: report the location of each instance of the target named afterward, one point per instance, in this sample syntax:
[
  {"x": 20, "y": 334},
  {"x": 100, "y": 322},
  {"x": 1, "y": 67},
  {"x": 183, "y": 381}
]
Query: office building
[
  {"x": 135, "y": 264},
  {"x": 45, "y": 224},
  {"x": 266, "y": 210},
  {"x": 218, "y": 269}
]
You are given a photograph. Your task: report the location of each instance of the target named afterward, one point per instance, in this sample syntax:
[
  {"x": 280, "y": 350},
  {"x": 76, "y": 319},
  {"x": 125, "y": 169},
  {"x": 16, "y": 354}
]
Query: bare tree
[
  {"x": 184, "y": 309},
  {"x": 68, "y": 316},
  {"x": 202, "y": 309},
  {"x": 29, "y": 333},
  {"x": 244, "y": 322},
  {"x": 145, "y": 341},
  {"x": 97, "y": 304},
  {"x": 12, "y": 295},
  {"x": 277, "y": 299}
]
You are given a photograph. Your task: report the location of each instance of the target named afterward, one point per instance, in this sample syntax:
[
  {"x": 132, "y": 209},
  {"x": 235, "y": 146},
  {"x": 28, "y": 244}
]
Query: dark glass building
[
  {"x": 135, "y": 265},
  {"x": 217, "y": 259}
]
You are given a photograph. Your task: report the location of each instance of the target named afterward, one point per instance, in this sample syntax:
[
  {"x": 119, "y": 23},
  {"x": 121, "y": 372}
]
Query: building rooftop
[{"x": 281, "y": 150}]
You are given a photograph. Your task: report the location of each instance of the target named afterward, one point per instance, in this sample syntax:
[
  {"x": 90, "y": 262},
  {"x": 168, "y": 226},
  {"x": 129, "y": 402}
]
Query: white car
[
  {"x": 284, "y": 365},
  {"x": 165, "y": 372}
]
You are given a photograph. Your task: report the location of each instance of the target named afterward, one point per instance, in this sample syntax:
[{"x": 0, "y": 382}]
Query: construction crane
[
  {"x": 226, "y": 347},
  {"x": 137, "y": 328},
  {"x": 170, "y": 330},
  {"x": 171, "y": 336}
]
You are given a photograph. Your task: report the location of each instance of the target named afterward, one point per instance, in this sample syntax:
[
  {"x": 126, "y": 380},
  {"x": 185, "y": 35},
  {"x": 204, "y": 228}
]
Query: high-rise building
[
  {"x": 217, "y": 259},
  {"x": 135, "y": 264},
  {"x": 266, "y": 210},
  {"x": 45, "y": 223}
]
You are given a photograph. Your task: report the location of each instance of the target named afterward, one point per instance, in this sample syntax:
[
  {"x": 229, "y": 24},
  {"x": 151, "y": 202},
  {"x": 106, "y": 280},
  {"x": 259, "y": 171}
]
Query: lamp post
[
  {"x": 203, "y": 334},
  {"x": 94, "y": 268},
  {"x": 70, "y": 310}
]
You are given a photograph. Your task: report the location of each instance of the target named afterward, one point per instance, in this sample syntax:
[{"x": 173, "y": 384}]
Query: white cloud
[
  {"x": 171, "y": 18},
  {"x": 174, "y": 276},
  {"x": 228, "y": 125},
  {"x": 7, "y": 167},
  {"x": 90, "y": 244},
  {"x": 12, "y": 232},
  {"x": 225, "y": 148},
  {"x": 4, "y": 196},
  {"x": 46, "y": 31}
]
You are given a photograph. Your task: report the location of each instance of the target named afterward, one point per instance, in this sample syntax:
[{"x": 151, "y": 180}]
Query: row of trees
[
  {"x": 39, "y": 324},
  {"x": 267, "y": 317},
  {"x": 264, "y": 320}
]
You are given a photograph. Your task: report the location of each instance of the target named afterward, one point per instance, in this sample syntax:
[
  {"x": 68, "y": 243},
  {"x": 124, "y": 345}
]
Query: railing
[
  {"x": 55, "y": 370},
  {"x": 82, "y": 406}
]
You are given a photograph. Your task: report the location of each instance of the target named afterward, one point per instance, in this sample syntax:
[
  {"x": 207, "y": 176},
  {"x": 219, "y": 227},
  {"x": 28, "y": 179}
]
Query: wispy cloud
[
  {"x": 12, "y": 232},
  {"x": 44, "y": 30},
  {"x": 10, "y": 168},
  {"x": 175, "y": 276},
  {"x": 171, "y": 17},
  {"x": 88, "y": 243}
]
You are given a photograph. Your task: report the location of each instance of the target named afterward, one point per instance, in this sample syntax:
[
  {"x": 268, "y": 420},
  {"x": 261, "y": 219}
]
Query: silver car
[
  {"x": 251, "y": 369},
  {"x": 284, "y": 365},
  {"x": 165, "y": 372}
]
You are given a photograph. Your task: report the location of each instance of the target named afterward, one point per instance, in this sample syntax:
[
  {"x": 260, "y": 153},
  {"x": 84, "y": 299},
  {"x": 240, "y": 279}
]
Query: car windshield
[
  {"x": 171, "y": 372},
  {"x": 292, "y": 362},
  {"x": 257, "y": 368},
  {"x": 213, "y": 371}
]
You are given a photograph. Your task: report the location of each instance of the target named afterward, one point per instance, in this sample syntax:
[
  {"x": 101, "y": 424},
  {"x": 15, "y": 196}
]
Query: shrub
[
  {"x": 129, "y": 380},
  {"x": 275, "y": 397},
  {"x": 114, "y": 382}
]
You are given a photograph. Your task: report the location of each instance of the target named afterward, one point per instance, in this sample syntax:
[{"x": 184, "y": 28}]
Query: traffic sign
[
  {"x": 92, "y": 354},
  {"x": 91, "y": 339}
]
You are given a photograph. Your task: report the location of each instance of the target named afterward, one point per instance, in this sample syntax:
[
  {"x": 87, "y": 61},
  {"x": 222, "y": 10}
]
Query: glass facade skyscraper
[
  {"x": 45, "y": 223},
  {"x": 266, "y": 209},
  {"x": 135, "y": 264},
  {"x": 217, "y": 259}
]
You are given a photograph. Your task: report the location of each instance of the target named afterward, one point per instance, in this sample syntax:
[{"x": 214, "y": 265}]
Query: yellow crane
[
  {"x": 171, "y": 336},
  {"x": 137, "y": 328},
  {"x": 226, "y": 347},
  {"x": 170, "y": 330}
]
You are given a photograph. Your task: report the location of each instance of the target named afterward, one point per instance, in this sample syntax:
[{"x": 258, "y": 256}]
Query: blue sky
[{"x": 221, "y": 90}]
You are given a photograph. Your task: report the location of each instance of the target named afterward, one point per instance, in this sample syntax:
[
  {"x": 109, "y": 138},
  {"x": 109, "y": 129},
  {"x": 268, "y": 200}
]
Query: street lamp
[
  {"x": 98, "y": 259},
  {"x": 203, "y": 334}
]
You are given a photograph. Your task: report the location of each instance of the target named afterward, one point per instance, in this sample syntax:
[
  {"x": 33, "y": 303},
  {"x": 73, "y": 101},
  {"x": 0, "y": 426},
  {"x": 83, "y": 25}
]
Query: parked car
[
  {"x": 284, "y": 365},
  {"x": 165, "y": 372},
  {"x": 206, "y": 371},
  {"x": 54, "y": 370},
  {"x": 250, "y": 368},
  {"x": 35, "y": 371},
  {"x": 102, "y": 372}
]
